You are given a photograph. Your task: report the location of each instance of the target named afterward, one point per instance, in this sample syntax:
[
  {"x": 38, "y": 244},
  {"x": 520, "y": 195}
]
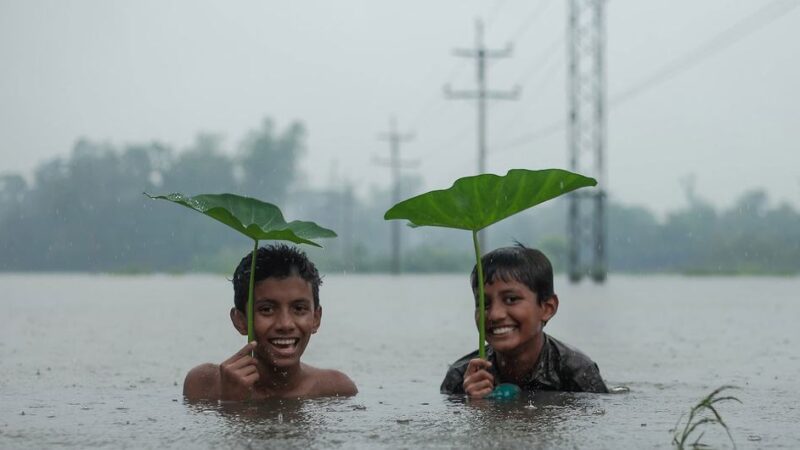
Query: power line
[
  {"x": 719, "y": 42},
  {"x": 543, "y": 61},
  {"x": 530, "y": 20},
  {"x": 541, "y": 133},
  {"x": 551, "y": 68},
  {"x": 731, "y": 35},
  {"x": 493, "y": 13}
]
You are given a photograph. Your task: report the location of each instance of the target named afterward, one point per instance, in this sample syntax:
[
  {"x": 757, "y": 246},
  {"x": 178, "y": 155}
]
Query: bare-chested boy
[{"x": 286, "y": 313}]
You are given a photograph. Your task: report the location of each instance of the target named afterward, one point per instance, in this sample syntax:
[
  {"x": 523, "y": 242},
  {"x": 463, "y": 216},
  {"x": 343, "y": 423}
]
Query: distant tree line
[{"x": 86, "y": 212}]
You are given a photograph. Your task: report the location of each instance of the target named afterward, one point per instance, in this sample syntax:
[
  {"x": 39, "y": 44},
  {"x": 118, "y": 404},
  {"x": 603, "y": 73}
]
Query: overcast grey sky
[{"x": 133, "y": 71}]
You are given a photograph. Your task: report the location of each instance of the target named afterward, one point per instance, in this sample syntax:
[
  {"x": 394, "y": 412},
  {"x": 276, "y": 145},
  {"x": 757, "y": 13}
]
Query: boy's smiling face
[
  {"x": 283, "y": 321},
  {"x": 514, "y": 317}
]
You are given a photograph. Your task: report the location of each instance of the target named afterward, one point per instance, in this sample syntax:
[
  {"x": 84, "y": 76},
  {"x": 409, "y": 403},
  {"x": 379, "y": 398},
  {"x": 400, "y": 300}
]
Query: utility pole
[
  {"x": 348, "y": 211},
  {"x": 481, "y": 94},
  {"x": 587, "y": 139},
  {"x": 688, "y": 183},
  {"x": 395, "y": 164}
]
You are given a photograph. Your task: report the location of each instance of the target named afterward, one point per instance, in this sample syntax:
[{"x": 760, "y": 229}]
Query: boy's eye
[
  {"x": 265, "y": 309},
  {"x": 510, "y": 299}
]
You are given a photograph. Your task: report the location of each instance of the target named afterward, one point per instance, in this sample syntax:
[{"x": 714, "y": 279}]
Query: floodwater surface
[{"x": 99, "y": 361}]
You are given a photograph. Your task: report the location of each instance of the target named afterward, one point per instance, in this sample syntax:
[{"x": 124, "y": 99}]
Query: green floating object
[{"x": 505, "y": 391}]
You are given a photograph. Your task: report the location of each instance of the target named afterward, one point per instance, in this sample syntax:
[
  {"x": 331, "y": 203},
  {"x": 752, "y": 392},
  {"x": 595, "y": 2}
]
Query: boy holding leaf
[
  {"x": 520, "y": 300},
  {"x": 286, "y": 314}
]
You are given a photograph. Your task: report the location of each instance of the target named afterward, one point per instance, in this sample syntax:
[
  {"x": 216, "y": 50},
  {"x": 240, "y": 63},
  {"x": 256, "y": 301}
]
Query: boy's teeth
[
  {"x": 283, "y": 341},
  {"x": 502, "y": 330}
]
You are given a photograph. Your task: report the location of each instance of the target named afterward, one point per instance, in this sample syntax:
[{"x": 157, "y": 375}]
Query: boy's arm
[
  {"x": 333, "y": 382},
  {"x": 231, "y": 380},
  {"x": 202, "y": 383},
  {"x": 453, "y": 383},
  {"x": 588, "y": 379}
]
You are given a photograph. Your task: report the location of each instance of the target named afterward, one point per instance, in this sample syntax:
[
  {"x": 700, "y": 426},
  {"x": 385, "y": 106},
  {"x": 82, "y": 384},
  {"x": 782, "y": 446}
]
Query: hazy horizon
[{"x": 130, "y": 72}]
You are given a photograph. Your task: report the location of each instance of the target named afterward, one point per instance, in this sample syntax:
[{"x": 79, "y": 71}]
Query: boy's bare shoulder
[
  {"x": 330, "y": 382},
  {"x": 202, "y": 382}
]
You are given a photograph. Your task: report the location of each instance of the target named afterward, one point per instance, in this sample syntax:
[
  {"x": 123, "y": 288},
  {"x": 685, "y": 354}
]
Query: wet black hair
[
  {"x": 518, "y": 263},
  {"x": 278, "y": 261}
]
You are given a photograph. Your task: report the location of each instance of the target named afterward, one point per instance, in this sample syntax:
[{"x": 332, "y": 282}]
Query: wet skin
[
  {"x": 283, "y": 321},
  {"x": 514, "y": 322}
]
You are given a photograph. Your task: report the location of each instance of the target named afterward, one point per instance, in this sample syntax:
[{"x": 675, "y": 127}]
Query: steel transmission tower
[
  {"x": 395, "y": 164},
  {"x": 587, "y": 139},
  {"x": 481, "y": 94}
]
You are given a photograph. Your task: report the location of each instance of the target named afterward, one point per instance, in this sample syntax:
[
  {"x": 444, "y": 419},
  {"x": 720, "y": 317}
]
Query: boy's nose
[
  {"x": 284, "y": 320},
  {"x": 495, "y": 312}
]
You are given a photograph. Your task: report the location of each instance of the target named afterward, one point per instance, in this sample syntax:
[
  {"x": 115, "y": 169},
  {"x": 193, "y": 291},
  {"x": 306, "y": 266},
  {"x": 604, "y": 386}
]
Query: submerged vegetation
[
  {"x": 703, "y": 414},
  {"x": 83, "y": 211}
]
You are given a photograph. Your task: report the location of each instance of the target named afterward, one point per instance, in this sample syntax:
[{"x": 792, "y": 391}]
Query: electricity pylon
[{"x": 587, "y": 139}]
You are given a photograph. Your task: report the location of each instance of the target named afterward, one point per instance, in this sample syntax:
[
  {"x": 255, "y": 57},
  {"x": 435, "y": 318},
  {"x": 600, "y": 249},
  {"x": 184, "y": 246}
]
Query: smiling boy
[
  {"x": 519, "y": 300},
  {"x": 286, "y": 312}
]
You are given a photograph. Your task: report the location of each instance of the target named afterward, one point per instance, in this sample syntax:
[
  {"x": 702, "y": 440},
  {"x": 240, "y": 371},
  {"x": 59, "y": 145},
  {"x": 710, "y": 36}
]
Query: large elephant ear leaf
[
  {"x": 251, "y": 217},
  {"x": 474, "y": 203}
]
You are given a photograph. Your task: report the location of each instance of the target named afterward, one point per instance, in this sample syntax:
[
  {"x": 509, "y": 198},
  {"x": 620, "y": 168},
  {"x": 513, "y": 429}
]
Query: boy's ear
[
  {"x": 317, "y": 319},
  {"x": 550, "y": 307},
  {"x": 239, "y": 321}
]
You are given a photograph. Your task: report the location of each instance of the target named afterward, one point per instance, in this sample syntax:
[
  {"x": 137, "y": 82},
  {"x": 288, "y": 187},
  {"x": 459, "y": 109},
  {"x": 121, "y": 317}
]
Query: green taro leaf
[
  {"x": 474, "y": 203},
  {"x": 255, "y": 219}
]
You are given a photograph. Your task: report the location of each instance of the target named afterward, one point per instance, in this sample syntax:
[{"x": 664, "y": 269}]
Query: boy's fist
[
  {"x": 478, "y": 382},
  {"x": 238, "y": 374}
]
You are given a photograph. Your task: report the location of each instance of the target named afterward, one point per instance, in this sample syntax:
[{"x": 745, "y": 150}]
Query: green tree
[
  {"x": 269, "y": 160},
  {"x": 202, "y": 168}
]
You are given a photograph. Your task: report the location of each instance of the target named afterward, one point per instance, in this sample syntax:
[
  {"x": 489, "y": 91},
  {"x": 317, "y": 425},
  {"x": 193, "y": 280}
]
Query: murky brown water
[{"x": 98, "y": 361}]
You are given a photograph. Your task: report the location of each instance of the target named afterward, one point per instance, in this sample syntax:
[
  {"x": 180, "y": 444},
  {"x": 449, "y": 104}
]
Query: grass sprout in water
[{"x": 701, "y": 415}]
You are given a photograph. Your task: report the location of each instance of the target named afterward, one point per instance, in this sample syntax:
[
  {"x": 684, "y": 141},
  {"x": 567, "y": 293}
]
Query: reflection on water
[
  {"x": 98, "y": 361},
  {"x": 264, "y": 420},
  {"x": 529, "y": 414},
  {"x": 535, "y": 417}
]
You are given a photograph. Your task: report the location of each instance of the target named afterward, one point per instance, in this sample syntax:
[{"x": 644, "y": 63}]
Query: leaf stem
[
  {"x": 481, "y": 301},
  {"x": 250, "y": 334}
]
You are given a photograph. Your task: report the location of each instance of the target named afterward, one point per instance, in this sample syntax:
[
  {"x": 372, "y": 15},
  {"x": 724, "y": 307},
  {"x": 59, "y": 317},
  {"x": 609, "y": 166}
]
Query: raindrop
[{"x": 530, "y": 405}]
